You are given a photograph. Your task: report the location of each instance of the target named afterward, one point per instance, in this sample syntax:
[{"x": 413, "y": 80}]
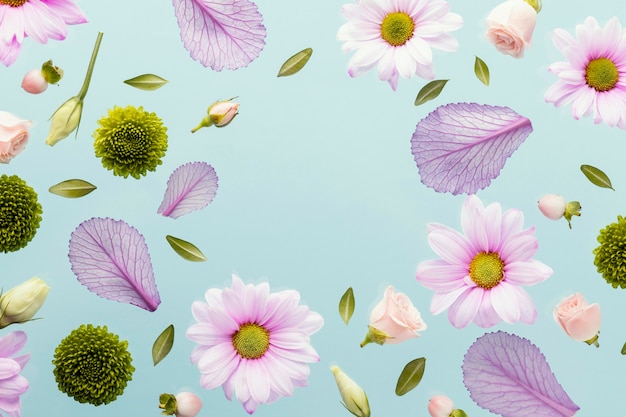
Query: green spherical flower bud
[
  {"x": 92, "y": 365},
  {"x": 20, "y": 213},
  {"x": 130, "y": 141},
  {"x": 611, "y": 254}
]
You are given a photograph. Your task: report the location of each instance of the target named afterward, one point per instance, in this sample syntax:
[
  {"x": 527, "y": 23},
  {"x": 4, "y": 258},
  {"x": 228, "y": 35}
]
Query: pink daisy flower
[
  {"x": 594, "y": 78},
  {"x": 479, "y": 275},
  {"x": 12, "y": 384},
  {"x": 397, "y": 35},
  {"x": 39, "y": 19},
  {"x": 253, "y": 343}
]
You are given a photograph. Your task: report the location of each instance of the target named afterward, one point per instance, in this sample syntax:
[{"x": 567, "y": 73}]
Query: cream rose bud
[
  {"x": 552, "y": 206},
  {"x": 510, "y": 27},
  {"x": 65, "y": 120},
  {"x": 20, "y": 303},
  {"x": 580, "y": 320},
  {"x": 187, "y": 404},
  {"x": 14, "y": 134},
  {"x": 440, "y": 406},
  {"x": 34, "y": 82},
  {"x": 222, "y": 113},
  {"x": 353, "y": 396}
]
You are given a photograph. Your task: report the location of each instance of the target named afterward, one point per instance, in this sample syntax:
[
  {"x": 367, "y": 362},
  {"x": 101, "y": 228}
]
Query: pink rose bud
[
  {"x": 552, "y": 206},
  {"x": 34, "y": 82},
  {"x": 440, "y": 406},
  {"x": 510, "y": 27},
  {"x": 223, "y": 112},
  {"x": 580, "y": 320},
  {"x": 394, "y": 320},
  {"x": 188, "y": 404},
  {"x": 14, "y": 133}
]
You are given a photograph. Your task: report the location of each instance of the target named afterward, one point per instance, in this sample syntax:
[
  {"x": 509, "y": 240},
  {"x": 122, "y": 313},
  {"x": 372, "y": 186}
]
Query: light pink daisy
[
  {"x": 39, "y": 19},
  {"x": 397, "y": 35},
  {"x": 12, "y": 384},
  {"x": 479, "y": 275},
  {"x": 594, "y": 78},
  {"x": 253, "y": 343}
]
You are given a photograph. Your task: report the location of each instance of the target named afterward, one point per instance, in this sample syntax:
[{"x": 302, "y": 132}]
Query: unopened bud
[{"x": 65, "y": 120}]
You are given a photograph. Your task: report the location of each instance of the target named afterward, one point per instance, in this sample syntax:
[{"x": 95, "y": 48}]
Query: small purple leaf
[
  {"x": 191, "y": 187},
  {"x": 508, "y": 375},
  {"x": 221, "y": 33},
  {"x": 111, "y": 259},
  {"x": 461, "y": 147}
]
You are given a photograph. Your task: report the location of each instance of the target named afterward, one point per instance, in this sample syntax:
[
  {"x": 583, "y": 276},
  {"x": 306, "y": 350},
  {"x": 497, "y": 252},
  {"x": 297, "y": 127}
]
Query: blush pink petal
[
  {"x": 258, "y": 383},
  {"x": 520, "y": 248},
  {"x": 486, "y": 315},
  {"x": 463, "y": 311},
  {"x": 505, "y": 302},
  {"x": 8, "y": 368},
  {"x": 585, "y": 326},
  {"x": 527, "y": 273},
  {"x": 11, "y": 405},
  {"x": 12, "y": 343},
  {"x": 451, "y": 246},
  {"x": 528, "y": 312},
  {"x": 443, "y": 300},
  {"x": 439, "y": 275}
]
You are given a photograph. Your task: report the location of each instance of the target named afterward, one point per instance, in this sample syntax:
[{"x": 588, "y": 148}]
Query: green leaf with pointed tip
[
  {"x": 624, "y": 349},
  {"x": 411, "y": 376},
  {"x": 596, "y": 176},
  {"x": 146, "y": 82},
  {"x": 185, "y": 249},
  {"x": 346, "y": 305},
  {"x": 74, "y": 188},
  {"x": 481, "y": 70},
  {"x": 163, "y": 344},
  {"x": 295, "y": 63},
  {"x": 430, "y": 91}
]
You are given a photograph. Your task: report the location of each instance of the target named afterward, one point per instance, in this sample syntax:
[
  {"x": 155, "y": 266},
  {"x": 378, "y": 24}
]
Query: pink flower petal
[
  {"x": 463, "y": 311},
  {"x": 504, "y": 299},
  {"x": 191, "y": 187}
]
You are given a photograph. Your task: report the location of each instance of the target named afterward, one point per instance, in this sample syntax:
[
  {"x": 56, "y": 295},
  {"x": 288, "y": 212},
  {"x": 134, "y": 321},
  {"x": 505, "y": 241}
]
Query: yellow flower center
[
  {"x": 601, "y": 74},
  {"x": 397, "y": 28},
  {"x": 251, "y": 341},
  {"x": 486, "y": 269},
  {"x": 13, "y": 3}
]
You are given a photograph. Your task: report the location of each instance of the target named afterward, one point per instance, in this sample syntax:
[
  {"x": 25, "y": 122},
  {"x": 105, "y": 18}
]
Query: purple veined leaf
[
  {"x": 111, "y": 259},
  {"x": 221, "y": 33},
  {"x": 191, "y": 186},
  {"x": 508, "y": 375},
  {"x": 461, "y": 147}
]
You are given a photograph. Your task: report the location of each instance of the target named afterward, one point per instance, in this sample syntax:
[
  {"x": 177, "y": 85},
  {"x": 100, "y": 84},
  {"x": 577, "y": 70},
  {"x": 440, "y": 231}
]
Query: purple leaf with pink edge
[
  {"x": 111, "y": 259},
  {"x": 508, "y": 375},
  {"x": 191, "y": 187},
  {"x": 221, "y": 33},
  {"x": 461, "y": 147}
]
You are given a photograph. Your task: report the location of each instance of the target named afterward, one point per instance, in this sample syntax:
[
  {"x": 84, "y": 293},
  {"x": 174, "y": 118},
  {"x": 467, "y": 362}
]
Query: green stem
[{"x": 83, "y": 90}]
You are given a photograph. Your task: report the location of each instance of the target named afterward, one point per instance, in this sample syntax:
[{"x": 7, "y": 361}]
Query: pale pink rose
[
  {"x": 396, "y": 315},
  {"x": 510, "y": 27},
  {"x": 580, "y": 320},
  {"x": 440, "y": 406},
  {"x": 14, "y": 134},
  {"x": 188, "y": 404},
  {"x": 552, "y": 206},
  {"x": 223, "y": 112},
  {"x": 34, "y": 82}
]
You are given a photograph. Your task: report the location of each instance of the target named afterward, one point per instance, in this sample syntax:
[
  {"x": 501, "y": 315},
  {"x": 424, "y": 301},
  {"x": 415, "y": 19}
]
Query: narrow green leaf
[
  {"x": 163, "y": 344},
  {"x": 295, "y": 63},
  {"x": 596, "y": 176},
  {"x": 146, "y": 82},
  {"x": 481, "y": 70},
  {"x": 430, "y": 91},
  {"x": 346, "y": 305},
  {"x": 624, "y": 349},
  {"x": 185, "y": 249},
  {"x": 411, "y": 376},
  {"x": 74, "y": 188}
]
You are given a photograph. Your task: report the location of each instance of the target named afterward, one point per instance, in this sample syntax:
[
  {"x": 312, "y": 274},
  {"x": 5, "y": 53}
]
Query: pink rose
[
  {"x": 188, "y": 404},
  {"x": 14, "y": 134},
  {"x": 394, "y": 320},
  {"x": 580, "y": 320},
  {"x": 440, "y": 406},
  {"x": 510, "y": 27}
]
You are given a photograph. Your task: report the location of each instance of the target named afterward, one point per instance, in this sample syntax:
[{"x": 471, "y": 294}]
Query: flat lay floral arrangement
[{"x": 217, "y": 207}]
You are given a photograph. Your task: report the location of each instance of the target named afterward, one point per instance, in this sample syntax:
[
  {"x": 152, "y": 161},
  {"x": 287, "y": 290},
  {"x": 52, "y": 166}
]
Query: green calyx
[
  {"x": 51, "y": 73},
  {"x": 130, "y": 141},
  {"x": 610, "y": 256},
  {"x": 92, "y": 365},
  {"x": 168, "y": 403},
  {"x": 20, "y": 213}
]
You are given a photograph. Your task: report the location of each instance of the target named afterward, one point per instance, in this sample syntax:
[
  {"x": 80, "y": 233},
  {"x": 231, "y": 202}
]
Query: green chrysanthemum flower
[
  {"x": 92, "y": 365},
  {"x": 611, "y": 254},
  {"x": 130, "y": 141},
  {"x": 20, "y": 213}
]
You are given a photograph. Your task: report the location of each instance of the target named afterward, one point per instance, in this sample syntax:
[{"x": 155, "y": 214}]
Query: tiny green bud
[
  {"x": 375, "y": 336},
  {"x": 535, "y": 4},
  {"x": 51, "y": 73},
  {"x": 458, "y": 413},
  {"x": 167, "y": 402},
  {"x": 572, "y": 209}
]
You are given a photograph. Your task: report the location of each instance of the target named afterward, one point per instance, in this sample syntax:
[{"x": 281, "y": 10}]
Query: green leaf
[
  {"x": 295, "y": 63},
  {"x": 411, "y": 376},
  {"x": 163, "y": 344},
  {"x": 430, "y": 91},
  {"x": 596, "y": 176},
  {"x": 146, "y": 82},
  {"x": 624, "y": 349},
  {"x": 74, "y": 188},
  {"x": 481, "y": 70},
  {"x": 185, "y": 249},
  {"x": 346, "y": 305}
]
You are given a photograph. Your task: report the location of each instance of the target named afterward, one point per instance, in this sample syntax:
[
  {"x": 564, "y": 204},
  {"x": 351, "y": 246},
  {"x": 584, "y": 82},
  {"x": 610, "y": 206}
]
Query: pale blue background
[{"x": 318, "y": 191}]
